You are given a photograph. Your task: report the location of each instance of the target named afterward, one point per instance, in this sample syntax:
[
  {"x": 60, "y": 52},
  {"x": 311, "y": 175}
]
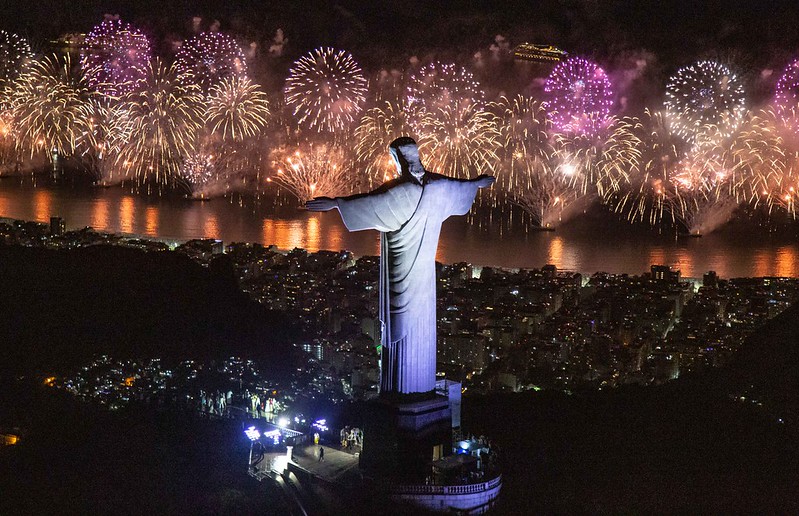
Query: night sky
[{"x": 759, "y": 32}]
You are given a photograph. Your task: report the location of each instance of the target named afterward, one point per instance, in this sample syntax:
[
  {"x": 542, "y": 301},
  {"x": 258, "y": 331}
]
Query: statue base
[{"x": 402, "y": 438}]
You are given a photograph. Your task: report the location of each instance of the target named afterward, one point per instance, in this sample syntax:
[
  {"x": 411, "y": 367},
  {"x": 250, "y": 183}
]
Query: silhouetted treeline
[
  {"x": 78, "y": 458},
  {"x": 59, "y": 308}
]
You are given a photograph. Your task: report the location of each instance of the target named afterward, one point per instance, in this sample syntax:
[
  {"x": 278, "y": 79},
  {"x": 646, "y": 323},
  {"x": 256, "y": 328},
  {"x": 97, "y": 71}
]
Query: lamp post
[{"x": 254, "y": 435}]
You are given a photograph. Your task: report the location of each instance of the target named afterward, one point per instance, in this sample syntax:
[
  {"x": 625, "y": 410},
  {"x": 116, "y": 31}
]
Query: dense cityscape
[{"x": 499, "y": 330}]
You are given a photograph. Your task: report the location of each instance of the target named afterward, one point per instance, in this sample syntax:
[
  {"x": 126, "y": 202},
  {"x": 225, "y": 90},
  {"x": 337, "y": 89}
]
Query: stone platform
[{"x": 401, "y": 439}]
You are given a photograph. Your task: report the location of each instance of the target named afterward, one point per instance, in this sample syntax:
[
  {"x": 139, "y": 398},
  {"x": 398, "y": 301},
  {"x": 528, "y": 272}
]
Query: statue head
[{"x": 406, "y": 156}]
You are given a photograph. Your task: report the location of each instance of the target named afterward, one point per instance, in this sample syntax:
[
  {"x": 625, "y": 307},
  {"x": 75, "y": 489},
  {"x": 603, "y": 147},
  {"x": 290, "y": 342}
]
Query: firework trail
[
  {"x": 388, "y": 85},
  {"x": 599, "y": 162},
  {"x": 163, "y": 119},
  {"x": 648, "y": 195},
  {"x": 199, "y": 172},
  {"x": 51, "y": 108},
  {"x": 311, "y": 171},
  {"x": 208, "y": 58},
  {"x": 15, "y": 52},
  {"x": 527, "y": 170},
  {"x": 524, "y": 136},
  {"x": 786, "y": 95},
  {"x": 446, "y": 109},
  {"x": 704, "y": 95},
  {"x": 325, "y": 90},
  {"x": 237, "y": 110},
  {"x": 459, "y": 142},
  {"x": 703, "y": 199},
  {"x": 579, "y": 95},
  {"x": 116, "y": 58},
  {"x": 696, "y": 186},
  {"x": 768, "y": 154},
  {"x": 379, "y": 126},
  {"x": 545, "y": 193},
  {"x": 109, "y": 130},
  {"x": 9, "y": 154}
]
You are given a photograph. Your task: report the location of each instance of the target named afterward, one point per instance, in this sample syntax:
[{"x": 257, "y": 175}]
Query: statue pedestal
[{"x": 402, "y": 439}]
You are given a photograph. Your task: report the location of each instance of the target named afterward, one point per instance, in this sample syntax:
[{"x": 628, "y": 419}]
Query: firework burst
[
  {"x": 208, "y": 58},
  {"x": 116, "y": 58},
  {"x": 311, "y": 171},
  {"x": 701, "y": 195},
  {"x": 199, "y": 172},
  {"x": 704, "y": 95},
  {"x": 14, "y": 53},
  {"x": 786, "y": 96},
  {"x": 379, "y": 126},
  {"x": 545, "y": 193},
  {"x": 50, "y": 108},
  {"x": 459, "y": 142},
  {"x": 440, "y": 86},
  {"x": 325, "y": 90},
  {"x": 528, "y": 166},
  {"x": 163, "y": 121},
  {"x": 696, "y": 186},
  {"x": 769, "y": 157},
  {"x": 579, "y": 95},
  {"x": 109, "y": 130},
  {"x": 236, "y": 109},
  {"x": 524, "y": 135},
  {"x": 446, "y": 109},
  {"x": 600, "y": 162},
  {"x": 647, "y": 196}
]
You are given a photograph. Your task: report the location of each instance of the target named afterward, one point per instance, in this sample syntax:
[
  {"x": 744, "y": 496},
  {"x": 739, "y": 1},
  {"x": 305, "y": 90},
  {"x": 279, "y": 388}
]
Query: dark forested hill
[
  {"x": 716, "y": 442},
  {"x": 62, "y": 307}
]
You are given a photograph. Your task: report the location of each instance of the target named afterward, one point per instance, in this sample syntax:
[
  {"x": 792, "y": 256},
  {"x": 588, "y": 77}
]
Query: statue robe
[{"x": 409, "y": 217}]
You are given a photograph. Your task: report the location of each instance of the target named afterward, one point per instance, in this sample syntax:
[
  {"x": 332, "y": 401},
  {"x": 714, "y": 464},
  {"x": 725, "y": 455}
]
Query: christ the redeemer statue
[{"x": 408, "y": 212}]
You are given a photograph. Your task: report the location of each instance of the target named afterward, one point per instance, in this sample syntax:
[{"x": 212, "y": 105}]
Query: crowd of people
[{"x": 351, "y": 437}]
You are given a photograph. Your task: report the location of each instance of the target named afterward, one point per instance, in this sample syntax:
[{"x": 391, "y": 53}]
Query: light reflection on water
[
  {"x": 41, "y": 205},
  {"x": 99, "y": 218},
  {"x": 151, "y": 221},
  {"x": 586, "y": 245},
  {"x": 127, "y": 214}
]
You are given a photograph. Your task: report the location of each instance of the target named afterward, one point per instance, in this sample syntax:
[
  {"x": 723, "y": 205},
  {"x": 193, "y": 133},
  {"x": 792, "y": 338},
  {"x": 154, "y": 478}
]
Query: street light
[{"x": 253, "y": 435}]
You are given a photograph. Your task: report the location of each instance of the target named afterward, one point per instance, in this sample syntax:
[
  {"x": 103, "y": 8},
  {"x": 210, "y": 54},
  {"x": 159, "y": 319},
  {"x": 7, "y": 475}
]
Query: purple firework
[
  {"x": 208, "y": 58},
  {"x": 116, "y": 58},
  {"x": 786, "y": 96},
  {"x": 578, "y": 91}
]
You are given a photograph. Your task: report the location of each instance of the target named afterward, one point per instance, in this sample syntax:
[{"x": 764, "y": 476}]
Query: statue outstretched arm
[
  {"x": 321, "y": 204},
  {"x": 461, "y": 193},
  {"x": 384, "y": 209}
]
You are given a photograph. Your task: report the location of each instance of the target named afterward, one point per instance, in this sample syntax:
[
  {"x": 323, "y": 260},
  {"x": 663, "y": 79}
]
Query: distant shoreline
[{"x": 173, "y": 243}]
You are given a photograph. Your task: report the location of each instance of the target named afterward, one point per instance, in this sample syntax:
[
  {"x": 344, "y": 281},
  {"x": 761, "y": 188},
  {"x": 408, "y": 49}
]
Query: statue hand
[
  {"x": 485, "y": 180},
  {"x": 321, "y": 204}
]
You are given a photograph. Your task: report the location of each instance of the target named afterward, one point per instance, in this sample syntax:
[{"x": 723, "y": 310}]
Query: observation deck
[{"x": 469, "y": 498}]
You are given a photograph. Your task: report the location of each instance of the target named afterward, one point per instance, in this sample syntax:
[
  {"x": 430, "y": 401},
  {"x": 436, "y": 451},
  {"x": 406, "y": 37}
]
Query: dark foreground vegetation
[
  {"x": 60, "y": 308},
  {"x": 720, "y": 442},
  {"x": 76, "y": 458}
]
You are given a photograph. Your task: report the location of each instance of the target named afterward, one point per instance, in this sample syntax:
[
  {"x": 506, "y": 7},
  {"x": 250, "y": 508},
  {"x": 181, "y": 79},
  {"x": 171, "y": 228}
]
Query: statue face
[
  {"x": 406, "y": 158},
  {"x": 397, "y": 162}
]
